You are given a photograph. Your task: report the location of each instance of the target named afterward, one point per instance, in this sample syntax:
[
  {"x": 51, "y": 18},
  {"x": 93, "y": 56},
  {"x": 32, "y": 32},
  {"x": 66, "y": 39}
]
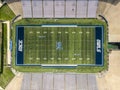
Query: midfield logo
[
  {"x": 98, "y": 45},
  {"x": 20, "y": 45}
]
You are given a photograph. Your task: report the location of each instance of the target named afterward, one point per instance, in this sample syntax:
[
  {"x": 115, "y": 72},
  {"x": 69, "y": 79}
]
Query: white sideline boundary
[
  {"x": 59, "y": 65},
  {"x": 59, "y": 26}
]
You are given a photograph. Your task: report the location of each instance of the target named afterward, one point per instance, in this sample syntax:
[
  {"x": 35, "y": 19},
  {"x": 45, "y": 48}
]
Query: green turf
[
  {"x": 6, "y": 13},
  {"x": 77, "y": 45},
  {"x": 79, "y": 69},
  {"x": 6, "y": 77}
]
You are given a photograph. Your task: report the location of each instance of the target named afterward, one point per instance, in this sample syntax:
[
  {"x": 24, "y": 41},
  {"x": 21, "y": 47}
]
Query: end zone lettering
[
  {"x": 99, "y": 45},
  {"x": 20, "y": 45}
]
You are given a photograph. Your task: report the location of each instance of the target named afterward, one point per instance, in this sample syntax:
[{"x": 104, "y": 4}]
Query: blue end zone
[
  {"x": 20, "y": 46},
  {"x": 99, "y": 45}
]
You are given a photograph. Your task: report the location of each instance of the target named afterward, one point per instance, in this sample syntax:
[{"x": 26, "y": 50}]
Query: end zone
[
  {"x": 99, "y": 45},
  {"x": 20, "y": 46}
]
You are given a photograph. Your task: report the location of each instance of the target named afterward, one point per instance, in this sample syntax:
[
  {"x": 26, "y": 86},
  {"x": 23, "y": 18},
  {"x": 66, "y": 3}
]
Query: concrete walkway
[
  {"x": 112, "y": 14},
  {"x": 16, "y": 82},
  {"x": 111, "y": 80},
  {"x": 1, "y": 88}
]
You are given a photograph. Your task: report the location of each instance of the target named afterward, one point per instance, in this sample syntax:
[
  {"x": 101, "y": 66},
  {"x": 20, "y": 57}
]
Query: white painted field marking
[
  {"x": 76, "y": 54},
  {"x": 66, "y": 32},
  {"x": 30, "y": 32},
  {"x": 38, "y": 58},
  {"x": 73, "y": 32},
  {"x": 88, "y": 58},
  {"x": 38, "y": 32},
  {"x": 51, "y": 32},
  {"x": 30, "y": 58},
  {"x": 52, "y": 58},
  {"x": 45, "y": 32},
  {"x": 66, "y": 58},
  {"x": 80, "y": 32},
  {"x": 87, "y": 32},
  {"x": 80, "y": 58},
  {"x": 59, "y": 32},
  {"x": 59, "y": 58},
  {"x": 45, "y": 58},
  {"x": 73, "y": 58}
]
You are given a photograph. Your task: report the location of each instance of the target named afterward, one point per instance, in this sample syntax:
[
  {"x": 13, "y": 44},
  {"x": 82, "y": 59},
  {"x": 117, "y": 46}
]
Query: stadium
[
  {"x": 60, "y": 44},
  {"x": 62, "y": 37}
]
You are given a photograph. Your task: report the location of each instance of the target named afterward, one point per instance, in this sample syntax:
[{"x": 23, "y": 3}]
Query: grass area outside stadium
[
  {"x": 60, "y": 21},
  {"x": 6, "y": 13},
  {"x": 6, "y": 77},
  {"x": 6, "y": 74}
]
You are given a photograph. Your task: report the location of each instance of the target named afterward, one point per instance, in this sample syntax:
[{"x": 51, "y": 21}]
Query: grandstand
[
  {"x": 59, "y": 81},
  {"x": 59, "y": 8}
]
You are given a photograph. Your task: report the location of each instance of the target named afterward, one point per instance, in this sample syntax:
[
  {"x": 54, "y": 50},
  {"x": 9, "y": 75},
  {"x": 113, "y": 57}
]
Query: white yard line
[{"x": 8, "y": 43}]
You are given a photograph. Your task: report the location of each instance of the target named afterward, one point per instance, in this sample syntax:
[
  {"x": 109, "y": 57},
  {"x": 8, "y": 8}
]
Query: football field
[{"x": 56, "y": 44}]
